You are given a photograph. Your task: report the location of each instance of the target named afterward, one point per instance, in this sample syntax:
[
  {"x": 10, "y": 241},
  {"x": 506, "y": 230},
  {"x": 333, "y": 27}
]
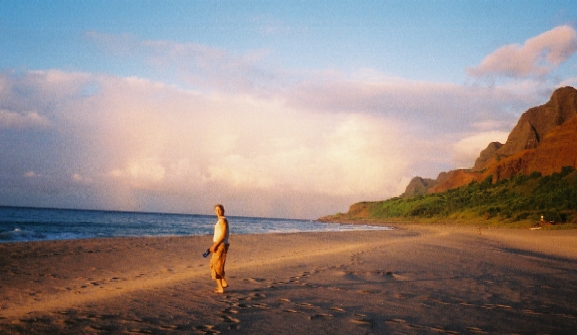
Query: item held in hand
[{"x": 206, "y": 253}]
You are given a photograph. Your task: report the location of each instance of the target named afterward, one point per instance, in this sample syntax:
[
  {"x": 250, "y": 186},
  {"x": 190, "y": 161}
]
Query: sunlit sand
[{"x": 414, "y": 280}]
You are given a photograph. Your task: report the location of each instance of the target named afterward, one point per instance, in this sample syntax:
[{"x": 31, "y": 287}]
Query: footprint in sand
[
  {"x": 396, "y": 321},
  {"x": 528, "y": 311},
  {"x": 291, "y": 311},
  {"x": 230, "y": 319},
  {"x": 207, "y": 329},
  {"x": 229, "y": 310},
  {"x": 69, "y": 322},
  {"x": 104, "y": 328},
  {"x": 503, "y": 306},
  {"x": 336, "y": 288},
  {"x": 362, "y": 320},
  {"x": 293, "y": 279},
  {"x": 446, "y": 331},
  {"x": 139, "y": 331},
  {"x": 475, "y": 330},
  {"x": 254, "y": 280},
  {"x": 256, "y": 296},
  {"x": 369, "y": 291},
  {"x": 320, "y": 316},
  {"x": 439, "y": 329}
]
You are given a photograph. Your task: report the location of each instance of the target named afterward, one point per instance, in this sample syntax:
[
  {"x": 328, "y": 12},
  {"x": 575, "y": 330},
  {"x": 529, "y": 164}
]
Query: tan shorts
[{"x": 217, "y": 261}]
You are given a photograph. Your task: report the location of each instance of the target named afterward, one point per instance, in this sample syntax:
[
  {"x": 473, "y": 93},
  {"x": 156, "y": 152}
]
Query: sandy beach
[{"x": 414, "y": 280}]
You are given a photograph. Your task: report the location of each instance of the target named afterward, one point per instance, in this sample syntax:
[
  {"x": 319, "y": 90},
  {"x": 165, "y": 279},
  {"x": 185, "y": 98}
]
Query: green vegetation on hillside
[{"x": 514, "y": 202}]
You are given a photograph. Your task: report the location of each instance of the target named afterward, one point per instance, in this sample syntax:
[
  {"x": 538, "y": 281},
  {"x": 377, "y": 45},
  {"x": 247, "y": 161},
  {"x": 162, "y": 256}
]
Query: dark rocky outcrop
[
  {"x": 487, "y": 155},
  {"x": 419, "y": 185}
]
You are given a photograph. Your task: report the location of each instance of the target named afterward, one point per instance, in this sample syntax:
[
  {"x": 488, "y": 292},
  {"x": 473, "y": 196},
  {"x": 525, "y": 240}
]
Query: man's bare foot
[
  {"x": 224, "y": 283},
  {"x": 218, "y": 291}
]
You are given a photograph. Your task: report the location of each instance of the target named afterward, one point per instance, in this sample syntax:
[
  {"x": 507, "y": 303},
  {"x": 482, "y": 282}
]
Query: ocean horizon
[{"x": 25, "y": 224}]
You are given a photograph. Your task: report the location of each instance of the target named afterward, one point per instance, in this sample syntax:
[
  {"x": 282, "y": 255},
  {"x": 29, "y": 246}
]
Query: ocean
[{"x": 21, "y": 224}]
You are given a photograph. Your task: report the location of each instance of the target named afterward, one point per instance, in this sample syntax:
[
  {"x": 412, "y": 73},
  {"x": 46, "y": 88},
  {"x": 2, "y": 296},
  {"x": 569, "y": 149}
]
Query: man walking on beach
[{"x": 219, "y": 249}]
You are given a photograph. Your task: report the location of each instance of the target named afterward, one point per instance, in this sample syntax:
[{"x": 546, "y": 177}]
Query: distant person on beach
[{"x": 219, "y": 249}]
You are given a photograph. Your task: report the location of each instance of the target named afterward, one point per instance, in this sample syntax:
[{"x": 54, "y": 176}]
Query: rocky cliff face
[
  {"x": 538, "y": 121},
  {"x": 487, "y": 155},
  {"x": 556, "y": 149},
  {"x": 544, "y": 140}
]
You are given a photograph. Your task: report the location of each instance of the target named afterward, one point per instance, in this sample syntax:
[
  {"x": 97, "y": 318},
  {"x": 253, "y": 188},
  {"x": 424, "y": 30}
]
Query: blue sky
[
  {"x": 275, "y": 108},
  {"x": 420, "y": 40}
]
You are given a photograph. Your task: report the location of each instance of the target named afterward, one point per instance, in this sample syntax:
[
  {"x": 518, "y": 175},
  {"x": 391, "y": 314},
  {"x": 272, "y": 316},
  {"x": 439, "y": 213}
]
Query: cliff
[{"x": 544, "y": 140}]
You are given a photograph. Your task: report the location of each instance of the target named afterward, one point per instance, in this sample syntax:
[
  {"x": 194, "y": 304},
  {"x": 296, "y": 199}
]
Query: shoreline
[
  {"x": 14, "y": 235},
  {"x": 477, "y": 224},
  {"x": 412, "y": 279}
]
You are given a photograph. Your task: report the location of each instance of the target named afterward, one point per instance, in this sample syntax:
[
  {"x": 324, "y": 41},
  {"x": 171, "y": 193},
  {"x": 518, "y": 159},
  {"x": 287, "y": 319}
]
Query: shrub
[{"x": 519, "y": 198}]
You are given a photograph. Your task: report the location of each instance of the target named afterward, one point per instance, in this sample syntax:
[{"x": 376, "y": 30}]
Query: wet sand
[{"x": 414, "y": 280}]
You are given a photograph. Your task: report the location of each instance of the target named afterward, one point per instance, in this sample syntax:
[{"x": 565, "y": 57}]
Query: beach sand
[{"x": 415, "y": 280}]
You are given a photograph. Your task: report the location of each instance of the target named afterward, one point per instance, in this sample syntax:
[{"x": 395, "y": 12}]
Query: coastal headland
[{"x": 411, "y": 280}]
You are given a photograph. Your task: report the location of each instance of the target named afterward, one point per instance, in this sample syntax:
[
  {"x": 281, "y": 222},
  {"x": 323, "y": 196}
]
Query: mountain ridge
[
  {"x": 531, "y": 175},
  {"x": 523, "y": 152}
]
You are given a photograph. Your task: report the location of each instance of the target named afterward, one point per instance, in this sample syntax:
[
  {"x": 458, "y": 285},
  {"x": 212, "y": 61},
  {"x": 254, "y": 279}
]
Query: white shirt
[{"x": 218, "y": 231}]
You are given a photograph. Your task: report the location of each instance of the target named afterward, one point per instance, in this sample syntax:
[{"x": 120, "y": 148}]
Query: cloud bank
[
  {"x": 134, "y": 144},
  {"x": 235, "y": 129},
  {"x": 21, "y": 120},
  {"x": 536, "y": 58}
]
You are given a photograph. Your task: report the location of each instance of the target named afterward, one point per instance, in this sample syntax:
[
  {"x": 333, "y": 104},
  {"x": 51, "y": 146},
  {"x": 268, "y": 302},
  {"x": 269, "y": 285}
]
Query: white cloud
[
  {"x": 20, "y": 120},
  {"x": 568, "y": 82},
  {"x": 31, "y": 174},
  {"x": 467, "y": 150},
  {"x": 78, "y": 178},
  {"x": 537, "y": 57}
]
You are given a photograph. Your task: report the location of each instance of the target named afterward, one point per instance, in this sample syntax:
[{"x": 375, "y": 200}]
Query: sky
[{"x": 291, "y": 109}]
